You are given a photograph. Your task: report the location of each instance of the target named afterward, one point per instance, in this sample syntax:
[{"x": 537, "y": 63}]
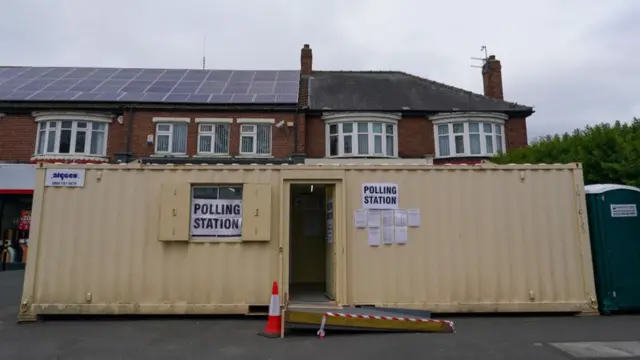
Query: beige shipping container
[{"x": 120, "y": 239}]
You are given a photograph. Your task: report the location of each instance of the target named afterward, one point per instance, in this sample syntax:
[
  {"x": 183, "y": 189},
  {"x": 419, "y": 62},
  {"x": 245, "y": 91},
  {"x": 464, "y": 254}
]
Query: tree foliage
[{"x": 609, "y": 153}]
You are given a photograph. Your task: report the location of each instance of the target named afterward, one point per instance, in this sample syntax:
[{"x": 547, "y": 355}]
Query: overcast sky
[{"x": 576, "y": 61}]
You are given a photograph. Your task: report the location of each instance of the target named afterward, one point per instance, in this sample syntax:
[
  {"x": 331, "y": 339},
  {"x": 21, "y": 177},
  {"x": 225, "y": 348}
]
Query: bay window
[
  {"x": 71, "y": 134},
  {"x": 361, "y": 136},
  {"x": 464, "y": 135}
]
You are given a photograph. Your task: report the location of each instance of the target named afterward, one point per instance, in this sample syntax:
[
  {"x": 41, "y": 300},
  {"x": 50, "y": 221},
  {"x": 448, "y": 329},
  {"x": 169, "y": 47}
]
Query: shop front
[{"x": 16, "y": 196}]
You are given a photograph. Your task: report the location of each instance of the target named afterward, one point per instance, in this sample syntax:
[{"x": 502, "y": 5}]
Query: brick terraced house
[{"x": 67, "y": 114}]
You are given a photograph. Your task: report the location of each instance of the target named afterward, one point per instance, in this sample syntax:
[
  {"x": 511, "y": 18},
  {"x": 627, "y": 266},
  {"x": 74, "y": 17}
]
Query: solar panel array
[{"x": 148, "y": 85}]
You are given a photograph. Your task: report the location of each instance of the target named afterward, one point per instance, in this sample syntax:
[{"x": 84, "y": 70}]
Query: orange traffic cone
[{"x": 274, "y": 321}]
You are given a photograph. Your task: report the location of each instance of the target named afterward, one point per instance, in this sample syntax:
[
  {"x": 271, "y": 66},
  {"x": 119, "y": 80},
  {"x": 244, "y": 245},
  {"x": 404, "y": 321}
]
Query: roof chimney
[
  {"x": 492, "y": 78},
  {"x": 306, "y": 60}
]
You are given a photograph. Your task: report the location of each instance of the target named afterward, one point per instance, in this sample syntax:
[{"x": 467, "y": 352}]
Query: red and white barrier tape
[{"x": 321, "y": 332}]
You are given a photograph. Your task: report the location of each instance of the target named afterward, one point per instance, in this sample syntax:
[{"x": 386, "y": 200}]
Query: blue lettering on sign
[{"x": 60, "y": 175}]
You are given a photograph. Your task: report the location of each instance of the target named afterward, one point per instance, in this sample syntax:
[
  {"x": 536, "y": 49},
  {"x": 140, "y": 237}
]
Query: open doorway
[{"x": 312, "y": 254}]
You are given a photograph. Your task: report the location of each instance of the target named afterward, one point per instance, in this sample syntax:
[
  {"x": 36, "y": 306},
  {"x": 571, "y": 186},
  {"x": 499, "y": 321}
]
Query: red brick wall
[
  {"x": 516, "y": 133},
  {"x": 143, "y": 125},
  {"x": 314, "y": 137},
  {"x": 17, "y": 138},
  {"x": 18, "y": 134},
  {"x": 415, "y": 137}
]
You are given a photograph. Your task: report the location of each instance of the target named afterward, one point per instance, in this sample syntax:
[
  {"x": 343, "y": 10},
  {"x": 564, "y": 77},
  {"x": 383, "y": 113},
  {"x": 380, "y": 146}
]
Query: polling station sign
[
  {"x": 380, "y": 196},
  {"x": 216, "y": 218},
  {"x": 64, "y": 177}
]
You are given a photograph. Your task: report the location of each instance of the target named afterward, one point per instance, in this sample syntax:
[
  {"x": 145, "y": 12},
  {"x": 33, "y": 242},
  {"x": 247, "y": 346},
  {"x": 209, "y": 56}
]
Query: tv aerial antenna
[{"x": 483, "y": 48}]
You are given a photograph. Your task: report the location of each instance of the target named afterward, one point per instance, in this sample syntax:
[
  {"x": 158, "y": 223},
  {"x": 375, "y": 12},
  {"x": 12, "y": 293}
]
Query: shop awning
[{"x": 17, "y": 178}]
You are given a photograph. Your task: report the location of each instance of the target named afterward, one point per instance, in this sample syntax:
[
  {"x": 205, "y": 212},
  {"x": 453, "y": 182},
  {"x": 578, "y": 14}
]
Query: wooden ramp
[{"x": 362, "y": 319}]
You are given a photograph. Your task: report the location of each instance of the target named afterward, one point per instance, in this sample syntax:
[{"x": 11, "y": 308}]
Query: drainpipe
[
  {"x": 128, "y": 137},
  {"x": 295, "y": 132}
]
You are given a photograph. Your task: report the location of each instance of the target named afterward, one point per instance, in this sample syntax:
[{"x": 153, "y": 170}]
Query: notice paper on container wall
[
  {"x": 387, "y": 218},
  {"x": 216, "y": 218},
  {"x": 400, "y": 217},
  {"x": 387, "y": 235},
  {"x": 400, "y": 236},
  {"x": 373, "y": 218},
  {"x": 373, "y": 236},
  {"x": 380, "y": 196},
  {"x": 413, "y": 217},
  {"x": 361, "y": 218}
]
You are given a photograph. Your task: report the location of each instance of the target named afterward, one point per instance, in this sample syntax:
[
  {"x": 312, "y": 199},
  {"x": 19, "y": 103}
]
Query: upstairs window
[
  {"x": 71, "y": 137},
  {"x": 255, "y": 139},
  {"x": 471, "y": 138},
  {"x": 213, "y": 139},
  {"x": 362, "y": 139},
  {"x": 171, "y": 138}
]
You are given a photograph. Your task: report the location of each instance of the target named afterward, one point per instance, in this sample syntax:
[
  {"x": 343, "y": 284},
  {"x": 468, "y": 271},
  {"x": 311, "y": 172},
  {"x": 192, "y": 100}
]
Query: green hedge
[{"x": 609, "y": 153}]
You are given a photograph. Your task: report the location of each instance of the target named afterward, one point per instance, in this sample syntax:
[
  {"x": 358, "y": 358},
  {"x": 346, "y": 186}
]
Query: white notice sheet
[
  {"x": 401, "y": 218},
  {"x": 361, "y": 218},
  {"x": 413, "y": 217},
  {"x": 387, "y": 235},
  {"x": 401, "y": 235},
  {"x": 373, "y": 218},
  {"x": 387, "y": 218},
  {"x": 374, "y": 236}
]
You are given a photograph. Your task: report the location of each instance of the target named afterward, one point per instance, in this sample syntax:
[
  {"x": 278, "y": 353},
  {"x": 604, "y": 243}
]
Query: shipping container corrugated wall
[
  {"x": 503, "y": 239},
  {"x": 97, "y": 248},
  {"x": 492, "y": 238}
]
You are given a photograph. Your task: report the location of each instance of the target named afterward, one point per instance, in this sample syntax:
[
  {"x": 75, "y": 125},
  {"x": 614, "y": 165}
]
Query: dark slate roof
[{"x": 393, "y": 91}]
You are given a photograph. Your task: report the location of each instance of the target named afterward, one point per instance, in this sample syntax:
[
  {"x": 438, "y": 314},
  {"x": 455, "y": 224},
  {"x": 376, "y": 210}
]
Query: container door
[
  {"x": 624, "y": 246},
  {"x": 331, "y": 244}
]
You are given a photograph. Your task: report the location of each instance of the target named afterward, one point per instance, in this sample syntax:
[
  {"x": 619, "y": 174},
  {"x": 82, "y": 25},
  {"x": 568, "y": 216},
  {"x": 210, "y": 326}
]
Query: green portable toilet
[{"x": 614, "y": 229}]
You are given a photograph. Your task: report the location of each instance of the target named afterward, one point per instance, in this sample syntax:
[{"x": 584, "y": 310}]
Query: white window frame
[
  {"x": 496, "y": 120},
  {"x": 213, "y": 122},
  {"x": 254, "y": 135},
  {"x": 44, "y": 119},
  {"x": 167, "y": 121},
  {"x": 355, "y": 118}
]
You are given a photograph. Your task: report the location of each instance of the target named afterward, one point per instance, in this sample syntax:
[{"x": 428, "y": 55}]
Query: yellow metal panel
[
  {"x": 256, "y": 212},
  {"x": 502, "y": 238},
  {"x": 175, "y": 205},
  {"x": 492, "y": 238}
]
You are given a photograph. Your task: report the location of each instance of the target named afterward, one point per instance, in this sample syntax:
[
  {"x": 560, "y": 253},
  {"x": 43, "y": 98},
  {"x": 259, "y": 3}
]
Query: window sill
[
  {"x": 97, "y": 158},
  {"x": 362, "y": 157},
  {"x": 203, "y": 155},
  {"x": 213, "y": 240},
  {"x": 169, "y": 155},
  {"x": 249, "y": 156},
  {"x": 457, "y": 156}
]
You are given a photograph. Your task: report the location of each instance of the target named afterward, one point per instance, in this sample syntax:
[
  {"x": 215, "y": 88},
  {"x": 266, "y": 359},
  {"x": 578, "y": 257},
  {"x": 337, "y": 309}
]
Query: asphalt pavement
[{"x": 549, "y": 337}]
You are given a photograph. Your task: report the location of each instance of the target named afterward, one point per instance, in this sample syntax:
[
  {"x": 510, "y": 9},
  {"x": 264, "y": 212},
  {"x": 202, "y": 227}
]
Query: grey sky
[{"x": 576, "y": 61}]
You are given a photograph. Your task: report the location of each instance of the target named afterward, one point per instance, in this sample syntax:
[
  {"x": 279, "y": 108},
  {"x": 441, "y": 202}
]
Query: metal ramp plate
[{"x": 351, "y": 318}]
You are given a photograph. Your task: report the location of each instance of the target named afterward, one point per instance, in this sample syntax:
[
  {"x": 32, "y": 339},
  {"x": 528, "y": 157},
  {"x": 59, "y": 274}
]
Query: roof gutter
[
  {"x": 513, "y": 113},
  {"x": 150, "y": 106},
  {"x": 213, "y": 160}
]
